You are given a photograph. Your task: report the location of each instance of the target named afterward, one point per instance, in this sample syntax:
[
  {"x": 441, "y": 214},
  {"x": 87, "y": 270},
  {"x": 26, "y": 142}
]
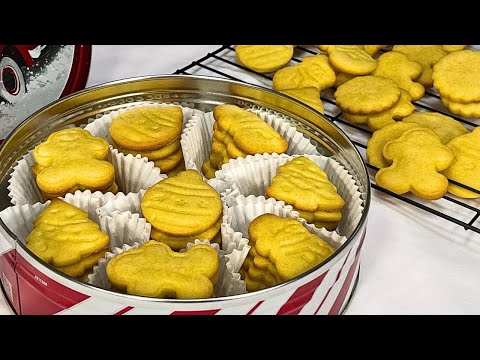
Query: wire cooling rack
[{"x": 463, "y": 212}]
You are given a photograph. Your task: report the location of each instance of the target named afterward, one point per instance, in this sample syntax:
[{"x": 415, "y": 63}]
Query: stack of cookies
[
  {"x": 183, "y": 208},
  {"x": 350, "y": 61},
  {"x": 302, "y": 184},
  {"x": 71, "y": 160},
  {"x": 457, "y": 79},
  {"x": 238, "y": 133},
  {"x": 373, "y": 100},
  {"x": 280, "y": 250},
  {"x": 154, "y": 270},
  {"x": 305, "y": 81},
  {"x": 64, "y": 236},
  {"x": 152, "y": 132}
]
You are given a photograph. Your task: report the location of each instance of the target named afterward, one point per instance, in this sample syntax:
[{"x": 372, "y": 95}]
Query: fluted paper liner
[
  {"x": 239, "y": 217},
  {"x": 124, "y": 229},
  {"x": 197, "y": 136},
  {"x": 112, "y": 214},
  {"x": 100, "y": 125},
  {"x": 229, "y": 282},
  {"x": 253, "y": 174},
  {"x": 132, "y": 174}
]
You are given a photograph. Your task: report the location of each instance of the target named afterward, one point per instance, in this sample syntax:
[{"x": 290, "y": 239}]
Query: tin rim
[{"x": 276, "y": 95}]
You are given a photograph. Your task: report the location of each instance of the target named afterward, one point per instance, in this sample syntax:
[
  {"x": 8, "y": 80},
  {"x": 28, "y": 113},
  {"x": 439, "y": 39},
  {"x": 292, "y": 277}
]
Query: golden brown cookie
[
  {"x": 302, "y": 184},
  {"x": 171, "y": 162},
  {"x": 399, "y": 68},
  {"x": 342, "y": 78},
  {"x": 176, "y": 170},
  {"x": 85, "y": 265},
  {"x": 465, "y": 167},
  {"x": 373, "y": 49},
  {"x": 153, "y": 155},
  {"x": 401, "y": 109},
  {"x": 154, "y": 270},
  {"x": 351, "y": 59},
  {"x": 313, "y": 71},
  {"x": 417, "y": 158},
  {"x": 456, "y": 77},
  {"x": 452, "y": 48},
  {"x": 72, "y": 159},
  {"x": 63, "y": 235},
  {"x": 250, "y": 133},
  {"x": 147, "y": 128},
  {"x": 179, "y": 242},
  {"x": 309, "y": 96},
  {"x": 364, "y": 95},
  {"x": 182, "y": 205},
  {"x": 381, "y": 137},
  {"x": 264, "y": 58},
  {"x": 445, "y": 127},
  {"x": 466, "y": 110},
  {"x": 425, "y": 55},
  {"x": 287, "y": 244}
]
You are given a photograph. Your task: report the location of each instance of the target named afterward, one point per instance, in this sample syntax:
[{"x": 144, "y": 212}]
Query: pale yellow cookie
[
  {"x": 72, "y": 159},
  {"x": 381, "y": 137},
  {"x": 399, "y": 68},
  {"x": 342, "y": 78},
  {"x": 182, "y": 205},
  {"x": 302, "y": 184},
  {"x": 153, "y": 155},
  {"x": 351, "y": 59},
  {"x": 457, "y": 77},
  {"x": 465, "y": 167},
  {"x": 356, "y": 119},
  {"x": 154, "y": 270},
  {"x": 466, "y": 110},
  {"x": 171, "y": 162},
  {"x": 445, "y": 127},
  {"x": 147, "y": 128},
  {"x": 85, "y": 265},
  {"x": 264, "y": 58},
  {"x": 309, "y": 96},
  {"x": 364, "y": 95},
  {"x": 452, "y": 48},
  {"x": 425, "y": 55},
  {"x": 287, "y": 244},
  {"x": 401, "y": 109},
  {"x": 313, "y": 71},
  {"x": 417, "y": 158},
  {"x": 179, "y": 242},
  {"x": 237, "y": 133},
  {"x": 63, "y": 235},
  {"x": 373, "y": 49}
]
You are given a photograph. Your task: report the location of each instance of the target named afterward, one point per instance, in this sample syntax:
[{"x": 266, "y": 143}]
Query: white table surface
[{"x": 412, "y": 262}]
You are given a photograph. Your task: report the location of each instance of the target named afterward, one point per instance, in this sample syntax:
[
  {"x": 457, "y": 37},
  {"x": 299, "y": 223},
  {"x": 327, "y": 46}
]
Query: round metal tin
[{"x": 34, "y": 287}]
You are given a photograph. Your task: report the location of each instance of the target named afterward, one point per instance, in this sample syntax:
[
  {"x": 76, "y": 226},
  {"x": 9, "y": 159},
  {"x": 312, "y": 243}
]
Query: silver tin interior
[{"x": 205, "y": 93}]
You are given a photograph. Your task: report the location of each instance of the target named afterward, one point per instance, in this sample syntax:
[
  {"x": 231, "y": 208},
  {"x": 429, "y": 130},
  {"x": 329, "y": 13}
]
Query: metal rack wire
[{"x": 463, "y": 212}]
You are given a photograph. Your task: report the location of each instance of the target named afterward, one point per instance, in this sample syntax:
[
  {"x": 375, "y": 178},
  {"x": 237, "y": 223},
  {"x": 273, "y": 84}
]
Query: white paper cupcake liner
[
  {"x": 122, "y": 203},
  {"x": 197, "y": 136},
  {"x": 229, "y": 282},
  {"x": 121, "y": 207},
  {"x": 239, "y": 217},
  {"x": 132, "y": 173},
  {"x": 125, "y": 228},
  {"x": 100, "y": 125},
  {"x": 253, "y": 174},
  {"x": 20, "y": 218}
]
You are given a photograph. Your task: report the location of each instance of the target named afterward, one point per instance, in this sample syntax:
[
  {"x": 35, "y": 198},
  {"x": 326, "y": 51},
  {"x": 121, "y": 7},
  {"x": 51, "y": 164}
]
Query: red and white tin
[
  {"x": 31, "y": 76},
  {"x": 33, "y": 287}
]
